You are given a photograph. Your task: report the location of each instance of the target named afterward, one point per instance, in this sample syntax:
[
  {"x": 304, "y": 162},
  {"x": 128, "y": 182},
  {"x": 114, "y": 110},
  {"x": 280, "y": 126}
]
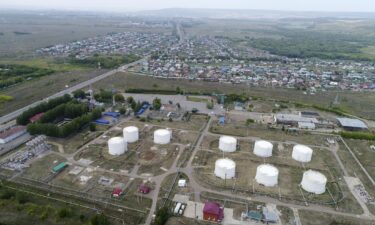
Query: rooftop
[
  {"x": 348, "y": 122},
  {"x": 12, "y": 131}
]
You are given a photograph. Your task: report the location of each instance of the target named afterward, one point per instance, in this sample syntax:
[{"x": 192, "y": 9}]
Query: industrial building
[
  {"x": 352, "y": 124},
  {"x": 11, "y": 134},
  {"x": 293, "y": 120}
]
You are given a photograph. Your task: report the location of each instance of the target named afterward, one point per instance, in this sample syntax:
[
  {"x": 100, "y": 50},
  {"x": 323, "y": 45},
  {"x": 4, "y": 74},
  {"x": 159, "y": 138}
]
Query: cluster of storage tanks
[
  {"x": 267, "y": 175},
  {"x": 119, "y": 145}
]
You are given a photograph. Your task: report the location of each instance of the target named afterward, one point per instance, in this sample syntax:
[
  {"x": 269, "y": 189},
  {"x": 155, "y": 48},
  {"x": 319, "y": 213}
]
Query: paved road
[{"x": 16, "y": 113}]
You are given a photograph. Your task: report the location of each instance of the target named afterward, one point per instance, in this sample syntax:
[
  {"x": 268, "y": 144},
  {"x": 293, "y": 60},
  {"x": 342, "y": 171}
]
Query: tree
[
  {"x": 92, "y": 127},
  {"x": 63, "y": 213},
  {"x": 119, "y": 98},
  {"x": 130, "y": 99},
  {"x": 156, "y": 104},
  {"x": 210, "y": 105},
  {"x": 162, "y": 216},
  {"x": 122, "y": 110},
  {"x": 79, "y": 94},
  {"x": 100, "y": 220},
  {"x": 178, "y": 90},
  {"x": 249, "y": 121}
]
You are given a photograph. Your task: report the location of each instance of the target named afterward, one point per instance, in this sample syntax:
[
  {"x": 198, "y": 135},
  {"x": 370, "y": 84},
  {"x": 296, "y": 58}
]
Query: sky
[{"x": 136, "y": 5}]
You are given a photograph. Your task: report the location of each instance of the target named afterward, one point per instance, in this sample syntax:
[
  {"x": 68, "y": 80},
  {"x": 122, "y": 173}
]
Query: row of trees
[
  {"x": 358, "y": 135},
  {"x": 23, "y": 119},
  {"x": 73, "y": 126},
  {"x": 69, "y": 110}
]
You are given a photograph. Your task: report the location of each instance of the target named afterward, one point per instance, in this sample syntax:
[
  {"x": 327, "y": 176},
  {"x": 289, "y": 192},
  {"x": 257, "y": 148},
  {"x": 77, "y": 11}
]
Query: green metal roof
[{"x": 59, "y": 167}]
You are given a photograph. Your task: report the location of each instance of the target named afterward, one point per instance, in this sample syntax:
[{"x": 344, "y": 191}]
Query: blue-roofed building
[
  {"x": 222, "y": 120},
  {"x": 112, "y": 114},
  {"x": 102, "y": 122}
]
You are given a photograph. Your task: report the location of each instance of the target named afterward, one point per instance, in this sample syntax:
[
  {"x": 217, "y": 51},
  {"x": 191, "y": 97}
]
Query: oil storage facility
[
  {"x": 131, "y": 134},
  {"x": 302, "y": 153},
  {"x": 267, "y": 175},
  {"x": 117, "y": 146},
  {"x": 162, "y": 136},
  {"x": 227, "y": 144},
  {"x": 314, "y": 182},
  {"x": 263, "y": 149},
  {"x": 225, "y": 168}
]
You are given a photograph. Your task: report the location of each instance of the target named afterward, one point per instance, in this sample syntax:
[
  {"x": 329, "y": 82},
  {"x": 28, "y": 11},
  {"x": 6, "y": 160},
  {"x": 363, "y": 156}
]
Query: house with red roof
[
  {"x": 144, "y": 189},
  {"x": 117, "y": 192},
  {"x": 36, "y": 117},
  {"x": 212, "y": 211}
]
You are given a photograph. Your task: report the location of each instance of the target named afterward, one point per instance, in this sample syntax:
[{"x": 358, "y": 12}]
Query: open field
[
  {"x": 290, "y": 173},
  {"x": 40, "y": 168},
  {"x": 42, "y": 30},
  {"x": 316, "y": 218},
  {"x": 73, "y": 143},
  {"x": 37, "y": 89},
  {"x": 357, "y": 103},
  {"x": 366, "y": 156}
]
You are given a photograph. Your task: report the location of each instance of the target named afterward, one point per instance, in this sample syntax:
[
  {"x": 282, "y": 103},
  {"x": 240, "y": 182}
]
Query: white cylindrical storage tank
[
  {"x": 302, "y": 153},
  {"x": 227, "y": 144},
  {"x": 225, "y": 168},
  {"x": 314, "y": 182},
  {"x": 131, "y": 134},
  {"x": 162, "y": 136},
  {"x": 267, "y": 175},
  {"x": 263, "y": 148},
  {"x": 116, "y": 146}
]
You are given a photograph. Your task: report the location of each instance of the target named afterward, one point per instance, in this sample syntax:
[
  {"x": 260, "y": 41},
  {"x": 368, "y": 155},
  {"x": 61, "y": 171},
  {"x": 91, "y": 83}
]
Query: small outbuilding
[
  {"x": 212, "y": 211},
  {"x": 144, "y": 189},
  {"x": 117, "y": 192}
]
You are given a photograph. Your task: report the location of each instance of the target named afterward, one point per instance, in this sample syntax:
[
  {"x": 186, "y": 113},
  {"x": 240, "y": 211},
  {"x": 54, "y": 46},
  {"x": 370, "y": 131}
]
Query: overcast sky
[{"x": 134, "y": 5}]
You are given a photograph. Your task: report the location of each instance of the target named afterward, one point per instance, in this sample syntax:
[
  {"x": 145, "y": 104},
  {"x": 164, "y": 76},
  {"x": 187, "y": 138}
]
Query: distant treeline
[
  {"x": 23, "y": 119},
  {"x": 21, "y": 33},
  {"x": 106, "y": 61},
  {"x": 13, "y": 74},
  {"x": 297, "y": 43}
]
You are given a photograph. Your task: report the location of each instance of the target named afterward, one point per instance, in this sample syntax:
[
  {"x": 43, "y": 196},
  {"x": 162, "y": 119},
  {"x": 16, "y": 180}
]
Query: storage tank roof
[
  {"x": 264, "y": 144},
  {"x": 226, "y": 163},
  {"x": 228, "y": 139},
  {"x": 116, "y": 139},
  {"x": 316, "y": 176},
  {"x": 163, "y": 132},
  {"x": 131, "y": 129},
  {"x": 268, "y": 169},
  {"x": 303, "y": 148}
]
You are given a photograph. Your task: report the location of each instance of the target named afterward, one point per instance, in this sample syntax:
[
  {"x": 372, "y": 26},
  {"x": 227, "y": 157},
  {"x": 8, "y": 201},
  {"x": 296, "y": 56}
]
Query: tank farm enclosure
[
  {"x": 150, "y": 148},
  {"x": 270, "y": 168}
]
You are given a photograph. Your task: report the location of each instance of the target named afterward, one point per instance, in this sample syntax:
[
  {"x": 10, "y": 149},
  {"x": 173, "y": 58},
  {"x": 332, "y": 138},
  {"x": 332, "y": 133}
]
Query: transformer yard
[{"x": 200, "y": 167}]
